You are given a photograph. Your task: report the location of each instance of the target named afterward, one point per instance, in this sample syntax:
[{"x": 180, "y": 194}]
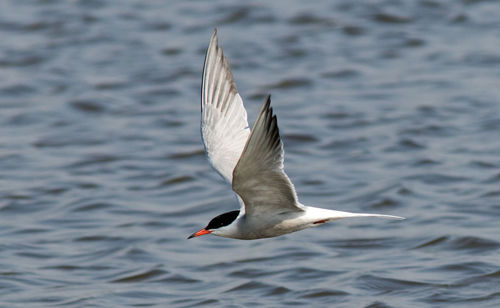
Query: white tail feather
[
  {"x": 319, "y": 213},
  {"x": 375, "y": 215}
]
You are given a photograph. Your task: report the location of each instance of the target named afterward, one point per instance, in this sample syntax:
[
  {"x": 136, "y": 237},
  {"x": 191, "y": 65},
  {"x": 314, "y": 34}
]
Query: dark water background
[{"x": 384, "y": 106}]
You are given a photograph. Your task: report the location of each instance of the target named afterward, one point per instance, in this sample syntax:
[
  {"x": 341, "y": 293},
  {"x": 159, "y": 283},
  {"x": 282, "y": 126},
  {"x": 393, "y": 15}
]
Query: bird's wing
[
  {"x": 259, "y": 178},
  {"x": 224, "y": 126}
]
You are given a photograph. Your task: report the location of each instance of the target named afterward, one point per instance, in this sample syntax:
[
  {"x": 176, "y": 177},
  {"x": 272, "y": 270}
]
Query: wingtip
[
  {"x": 267, "y": 103},
  {"x": 266, "y": 110},
  {"x": 214, "y": 35}
]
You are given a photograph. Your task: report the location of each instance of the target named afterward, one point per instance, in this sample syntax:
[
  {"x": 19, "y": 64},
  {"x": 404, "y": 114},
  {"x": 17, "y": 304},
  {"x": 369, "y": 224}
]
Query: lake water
[{"x": 384, "y": 106}]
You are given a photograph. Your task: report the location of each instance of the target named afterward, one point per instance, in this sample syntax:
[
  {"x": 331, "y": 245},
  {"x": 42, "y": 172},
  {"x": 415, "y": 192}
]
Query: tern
[{"x": 251, "y": 161}]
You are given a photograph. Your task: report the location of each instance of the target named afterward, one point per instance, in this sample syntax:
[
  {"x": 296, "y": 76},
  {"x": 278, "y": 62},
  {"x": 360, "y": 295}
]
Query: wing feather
[
  {"x": 224, "y": 125},
  {"x": 259, "y": 178}
]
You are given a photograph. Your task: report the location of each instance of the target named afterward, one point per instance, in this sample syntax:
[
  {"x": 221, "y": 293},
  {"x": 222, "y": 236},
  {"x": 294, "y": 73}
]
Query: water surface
[{"x": 388, "y": 106}]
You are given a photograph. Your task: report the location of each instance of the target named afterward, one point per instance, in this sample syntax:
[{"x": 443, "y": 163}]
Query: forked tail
[
  {"x": 327, "y": 215},
  {"x": 374, "y": 215}
]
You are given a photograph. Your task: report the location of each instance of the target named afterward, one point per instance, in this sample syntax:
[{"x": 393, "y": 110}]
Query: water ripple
[
  {"x": 471, "y": 243},
  {"x": 137, "y": 277},
  {"x": 382, "y": 284}
]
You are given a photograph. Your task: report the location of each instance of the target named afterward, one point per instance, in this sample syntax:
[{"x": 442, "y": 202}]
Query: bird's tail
[
  {"x": 333, "y": 214},
  {"x": 373, "y": 215}
]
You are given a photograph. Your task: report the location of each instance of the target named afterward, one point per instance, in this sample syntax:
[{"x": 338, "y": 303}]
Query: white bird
[{"x": 252, "y": 161}]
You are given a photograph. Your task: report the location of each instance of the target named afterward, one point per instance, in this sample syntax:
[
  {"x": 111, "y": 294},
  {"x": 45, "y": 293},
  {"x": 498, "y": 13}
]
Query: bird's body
[
  {"x": 251, "y": 161},
  {"x": 250, "y": 227}
]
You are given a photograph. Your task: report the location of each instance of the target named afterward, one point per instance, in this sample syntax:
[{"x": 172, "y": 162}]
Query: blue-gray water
[{"x": 384, "y": 106}]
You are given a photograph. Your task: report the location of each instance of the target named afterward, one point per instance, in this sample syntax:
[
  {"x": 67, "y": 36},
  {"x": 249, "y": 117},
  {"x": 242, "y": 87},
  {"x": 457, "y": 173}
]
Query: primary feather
[
  {"x": 224, "y": 126},
  {"x": 259, "y": 178}
]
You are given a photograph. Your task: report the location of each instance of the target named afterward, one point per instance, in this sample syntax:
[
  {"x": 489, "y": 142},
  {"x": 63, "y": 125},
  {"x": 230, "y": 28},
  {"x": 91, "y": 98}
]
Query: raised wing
[
  {"x": 224, "y": 126},
  {"x": 259, "y": 178}
]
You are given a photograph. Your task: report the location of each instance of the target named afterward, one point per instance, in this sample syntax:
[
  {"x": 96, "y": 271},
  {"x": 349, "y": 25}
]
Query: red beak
[{"x": 201, "y": 232}]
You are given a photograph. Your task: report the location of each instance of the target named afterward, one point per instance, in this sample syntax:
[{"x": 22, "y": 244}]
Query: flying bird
[{"x": 251, "y": 161}]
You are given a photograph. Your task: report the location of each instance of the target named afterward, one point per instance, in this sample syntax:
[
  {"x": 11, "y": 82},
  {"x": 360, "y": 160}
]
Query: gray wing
[
  {"x": 258, "y": 178},
  {"x": 224, "y": 126}
]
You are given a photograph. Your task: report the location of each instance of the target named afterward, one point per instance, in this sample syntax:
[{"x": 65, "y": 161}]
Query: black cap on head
[{"x": 222, "y": 220}]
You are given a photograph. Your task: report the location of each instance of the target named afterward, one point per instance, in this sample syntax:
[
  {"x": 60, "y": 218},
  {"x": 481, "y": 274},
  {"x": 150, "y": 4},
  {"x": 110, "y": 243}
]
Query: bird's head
[{"x": 218, "y": 225}]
